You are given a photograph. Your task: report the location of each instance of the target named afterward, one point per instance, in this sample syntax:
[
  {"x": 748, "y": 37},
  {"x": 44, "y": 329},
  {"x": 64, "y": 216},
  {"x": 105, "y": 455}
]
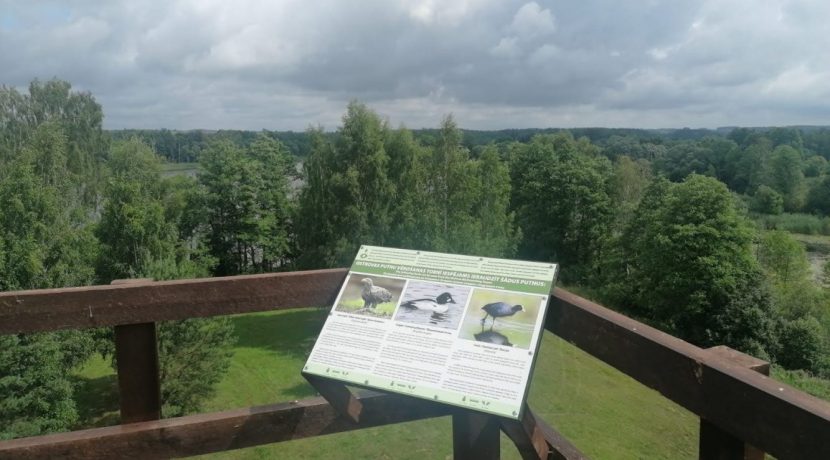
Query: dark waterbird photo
[
  {"x": 433, "y": 304},
  {"x": 499, "y": 310},
  {"x": 370, "y": 295},
  {"x": 501, "y": 318}
]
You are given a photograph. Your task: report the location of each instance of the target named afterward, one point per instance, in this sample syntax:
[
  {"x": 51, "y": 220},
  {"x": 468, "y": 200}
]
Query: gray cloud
[{"x": 494, "y": 63}]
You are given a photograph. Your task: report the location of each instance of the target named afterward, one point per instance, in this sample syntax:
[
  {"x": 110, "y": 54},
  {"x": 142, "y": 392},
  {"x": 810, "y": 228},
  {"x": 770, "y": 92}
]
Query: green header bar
[{"x": 486, "y": 272}]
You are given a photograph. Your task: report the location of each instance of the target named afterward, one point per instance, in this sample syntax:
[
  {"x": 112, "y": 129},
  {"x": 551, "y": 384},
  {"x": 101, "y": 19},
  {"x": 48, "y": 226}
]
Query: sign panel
[{"x": 460, "y": 330}]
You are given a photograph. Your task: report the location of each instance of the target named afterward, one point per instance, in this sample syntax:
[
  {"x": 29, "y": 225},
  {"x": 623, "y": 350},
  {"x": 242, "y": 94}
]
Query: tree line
[{"x": 659, "y": 229}]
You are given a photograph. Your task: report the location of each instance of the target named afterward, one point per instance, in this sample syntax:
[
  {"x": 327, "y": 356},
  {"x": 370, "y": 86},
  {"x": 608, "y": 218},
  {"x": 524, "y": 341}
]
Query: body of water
[{"x": 423, "y": 290}]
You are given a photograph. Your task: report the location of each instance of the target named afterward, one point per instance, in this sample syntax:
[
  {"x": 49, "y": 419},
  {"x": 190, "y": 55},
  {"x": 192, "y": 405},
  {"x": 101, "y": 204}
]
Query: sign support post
[{"x": 338, "y": 395}]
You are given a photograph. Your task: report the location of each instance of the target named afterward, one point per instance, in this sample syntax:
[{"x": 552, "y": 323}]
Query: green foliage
[
  {"x": 801, "y": 344},
  {"x": 36, "y": 393},
  {"x": 376, "y": 186},
  {"x": 815, "y": 166},
  {"x": 346, "y": 199},
  {"x": 806, "y": 224},
  {"x": 133, "y": 229},
  {"x": 470, "y": 198},
  {"x": 767, "y": 201},
  {"x": 496, "y": 234},
  {"x": 628, "y": 183},
  {"x": 452, "y": 179},
  {"x": 782, "y": 257},
  {"x": 47, "y": 242},
  {"x": 76, "y": 115},
  {"x": 140, "y": 238},
  {"x": 685, "y": 263},
  {"x": 818, "y": 198},
  {"x": 683, "y": 159},
  {"x": 245, "y": 206},
  {"x": 786, "y": 176},
  {"x": 562, "y": 202},
  {"x": 751, "y": 168},
  {"x": 414, "y": 215}
]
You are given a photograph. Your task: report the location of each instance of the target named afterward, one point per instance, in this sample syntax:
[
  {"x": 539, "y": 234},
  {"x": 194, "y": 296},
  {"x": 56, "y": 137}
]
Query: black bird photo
[
  {"x": 502, "y": 318},
  {"x": 499, "y": 310}
]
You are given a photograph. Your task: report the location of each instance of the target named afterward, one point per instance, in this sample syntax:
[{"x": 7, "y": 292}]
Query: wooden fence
[{"x": 743, "y": 412}]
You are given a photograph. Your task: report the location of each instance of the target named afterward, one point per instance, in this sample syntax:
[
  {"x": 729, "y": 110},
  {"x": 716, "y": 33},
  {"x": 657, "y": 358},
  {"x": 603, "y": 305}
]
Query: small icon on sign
[
  {"x": 366, "y": 382},
  {"x": 328, "y": 369},
  {"x": 514, "y": 413},
  {"x": 435, "y": 397}
]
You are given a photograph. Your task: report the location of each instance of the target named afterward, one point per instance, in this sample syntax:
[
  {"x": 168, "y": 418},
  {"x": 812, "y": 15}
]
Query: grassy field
[
  {"x": 173, "y": 169},
  {"x": 605, "y": 413}
]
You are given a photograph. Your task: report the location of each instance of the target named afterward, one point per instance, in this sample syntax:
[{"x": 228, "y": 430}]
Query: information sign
[{"x": 456, "y": 329}]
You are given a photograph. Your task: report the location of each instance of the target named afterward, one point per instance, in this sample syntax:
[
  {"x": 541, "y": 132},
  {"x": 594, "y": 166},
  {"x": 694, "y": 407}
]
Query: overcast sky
[{"x": 493, "y": 63}]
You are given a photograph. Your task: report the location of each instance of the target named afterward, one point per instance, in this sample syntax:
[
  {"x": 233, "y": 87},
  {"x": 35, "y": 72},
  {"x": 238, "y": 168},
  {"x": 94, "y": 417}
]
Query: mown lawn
[{"x": 605, "y": 413}]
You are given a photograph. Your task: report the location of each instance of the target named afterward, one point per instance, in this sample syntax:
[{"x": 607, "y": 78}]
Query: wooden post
[
  {"x": 716, "y": 443},
  {"x": 475, "y": 436},
  {"x": 338, "y": 395},
  {"x": 527, "y": 436},
  {"x": 136, "y": 355}
]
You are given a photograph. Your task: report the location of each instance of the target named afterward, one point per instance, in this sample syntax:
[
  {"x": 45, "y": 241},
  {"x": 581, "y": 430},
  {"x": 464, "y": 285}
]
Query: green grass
[
  {"x": 383, "y": 310},
  {"x": 174, "y": 169},
  {"x": 602, "y": 411},
  {"x": 96, "y": 390},
  {"x": 814, "y": 243},
  {"x": 808, "y": 224},
  {"x": 805, "y": 382}
]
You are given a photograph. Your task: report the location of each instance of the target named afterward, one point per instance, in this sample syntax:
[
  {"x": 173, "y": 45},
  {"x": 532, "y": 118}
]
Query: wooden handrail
[
  {"x": 147, "y": 302},
  {"x": 768, "y": 414}
]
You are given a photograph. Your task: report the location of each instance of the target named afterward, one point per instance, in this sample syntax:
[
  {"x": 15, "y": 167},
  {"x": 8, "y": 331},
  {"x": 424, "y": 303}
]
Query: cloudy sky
[{"x": 493, "y": 63}]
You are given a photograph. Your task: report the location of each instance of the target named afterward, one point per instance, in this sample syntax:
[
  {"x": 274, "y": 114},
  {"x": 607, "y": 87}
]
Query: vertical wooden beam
[
  {"x": 715, "y": 443},
  {"x": 338, "y": 395},
  {"x": 136, "y": 355},
  {"x": 475, "y": 436},
  {"x": 527, "y": 436}
]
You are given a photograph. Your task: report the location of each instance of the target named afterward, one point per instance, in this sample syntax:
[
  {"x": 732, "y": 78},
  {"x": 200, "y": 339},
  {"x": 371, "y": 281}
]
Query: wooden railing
[{"x": 738, "y": 406}]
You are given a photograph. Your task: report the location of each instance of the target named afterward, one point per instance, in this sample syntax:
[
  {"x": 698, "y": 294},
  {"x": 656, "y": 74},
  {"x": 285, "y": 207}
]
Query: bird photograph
[
  {"x": 499, "y": 310},
  {"x": 433, "y": 304},
  {"x": 501, "y": 318},
  {"x": 370, "y": 295}
]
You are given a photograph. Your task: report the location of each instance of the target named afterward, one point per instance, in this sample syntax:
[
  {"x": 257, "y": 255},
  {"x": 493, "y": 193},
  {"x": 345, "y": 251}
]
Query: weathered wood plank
[
  {"x": 220, "y": 431},
  {"x": 560, "y": 447},
  {"x": 146, "y": 301},
  {"x": 716, "y": 443},
  {"x": 768, "y": 414}
]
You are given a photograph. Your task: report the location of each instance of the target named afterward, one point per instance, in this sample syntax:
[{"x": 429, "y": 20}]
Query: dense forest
[{"x": 691, "y": 231}]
